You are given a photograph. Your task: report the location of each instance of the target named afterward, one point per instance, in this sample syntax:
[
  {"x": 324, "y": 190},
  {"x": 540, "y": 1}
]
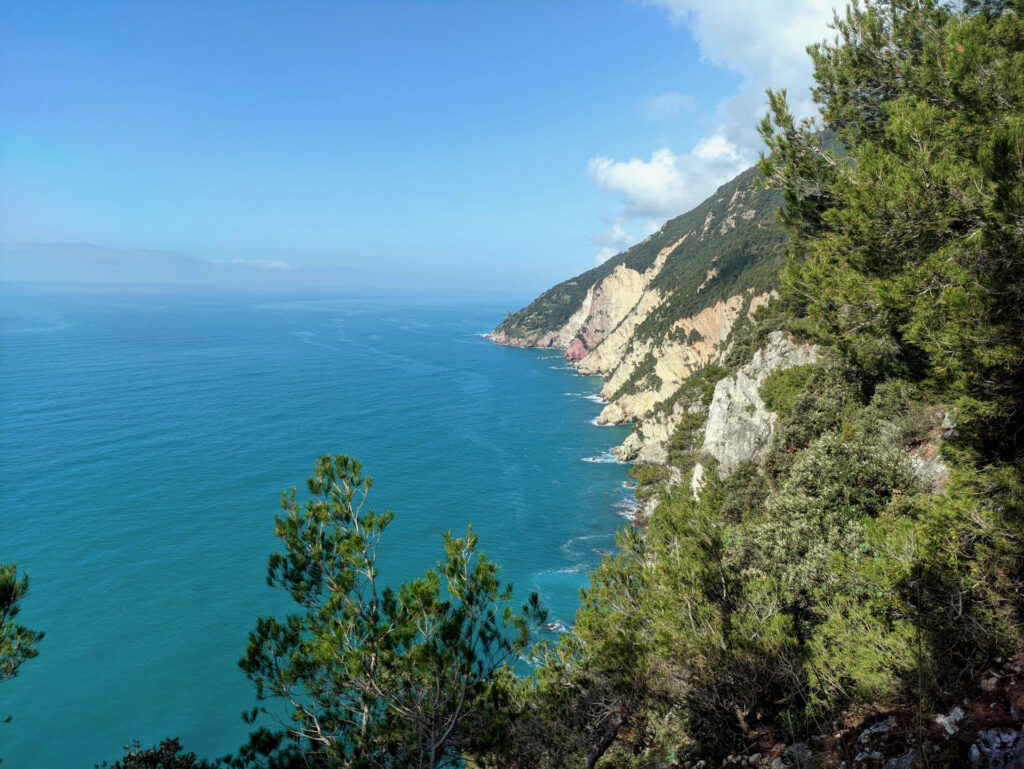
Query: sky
[{"x": 479, "y": 146}]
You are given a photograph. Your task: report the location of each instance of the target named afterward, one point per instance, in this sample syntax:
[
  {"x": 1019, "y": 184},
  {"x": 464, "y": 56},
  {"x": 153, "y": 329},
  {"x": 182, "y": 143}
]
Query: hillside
[
  {"x": 652, "y": 316},
  {"x": 735, "y": 232}
]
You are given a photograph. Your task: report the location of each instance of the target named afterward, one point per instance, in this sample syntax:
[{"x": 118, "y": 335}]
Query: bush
[{"x": 782, "y": 386}]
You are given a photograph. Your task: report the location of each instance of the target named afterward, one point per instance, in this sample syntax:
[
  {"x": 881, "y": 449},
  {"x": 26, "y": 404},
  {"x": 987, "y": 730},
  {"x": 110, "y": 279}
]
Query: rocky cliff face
[
  {"x": 739, "y": 426},
  {"x": 602, "y": 309},
  {"x": 652, "y": 316},
  {"x": 676, "y": 356}
]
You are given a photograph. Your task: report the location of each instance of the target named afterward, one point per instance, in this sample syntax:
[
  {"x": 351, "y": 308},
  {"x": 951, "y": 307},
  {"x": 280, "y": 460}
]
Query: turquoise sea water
[{"x": 144, "y": 440}]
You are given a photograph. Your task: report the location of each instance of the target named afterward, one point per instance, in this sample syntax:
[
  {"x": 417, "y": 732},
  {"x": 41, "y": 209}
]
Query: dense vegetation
[
  {"x": 834, "y": 579},
  {"x": 828, "y": 580}
]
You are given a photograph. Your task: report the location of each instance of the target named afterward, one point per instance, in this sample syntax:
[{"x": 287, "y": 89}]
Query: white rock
[
  {"x": 951, "y": 722},
  {"x": 739, "y": 427},
  {"x": 880, "y": 728},
  {"x": 697, "y": 480}
]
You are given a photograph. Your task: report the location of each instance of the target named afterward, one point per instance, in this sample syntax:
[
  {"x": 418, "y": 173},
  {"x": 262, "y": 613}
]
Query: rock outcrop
[
  {"x": 739, "y": 426},
  {"x": 651, "y": 317},
  {"x": 926, "y": 458},
  {"x": 649, "y": 441},
  {"x": 603, "y": 308},
  {"x": 676, "y": 356}
]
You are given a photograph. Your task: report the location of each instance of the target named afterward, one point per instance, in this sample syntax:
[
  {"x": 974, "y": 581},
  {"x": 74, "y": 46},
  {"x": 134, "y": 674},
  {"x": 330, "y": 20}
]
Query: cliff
[{"x": 649, "y": 318}]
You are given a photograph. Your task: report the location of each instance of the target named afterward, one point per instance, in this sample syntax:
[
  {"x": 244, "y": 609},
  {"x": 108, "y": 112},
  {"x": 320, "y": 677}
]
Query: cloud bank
[{"x": 764, "y": 43}]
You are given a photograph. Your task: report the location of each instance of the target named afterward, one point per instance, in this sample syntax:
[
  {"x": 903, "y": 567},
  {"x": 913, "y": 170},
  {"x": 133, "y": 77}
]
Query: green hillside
[{"x": 747, "y": 254}]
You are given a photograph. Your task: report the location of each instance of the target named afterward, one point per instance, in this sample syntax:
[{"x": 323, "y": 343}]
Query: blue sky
[{"x": 490, "y": 145}]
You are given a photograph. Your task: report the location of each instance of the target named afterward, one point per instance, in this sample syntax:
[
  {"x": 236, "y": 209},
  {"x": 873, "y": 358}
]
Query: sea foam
[{"x": 604, "y": 458}]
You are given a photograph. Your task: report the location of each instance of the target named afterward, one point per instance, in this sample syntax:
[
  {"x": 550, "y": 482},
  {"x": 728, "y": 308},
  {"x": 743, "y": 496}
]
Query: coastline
[{"x": 635, "y": 510}]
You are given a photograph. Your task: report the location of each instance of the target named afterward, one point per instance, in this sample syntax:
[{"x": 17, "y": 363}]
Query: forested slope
[{"x": 735, "y": 232}]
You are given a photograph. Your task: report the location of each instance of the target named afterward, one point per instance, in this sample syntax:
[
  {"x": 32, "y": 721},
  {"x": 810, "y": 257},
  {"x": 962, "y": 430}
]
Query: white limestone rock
[{"x": 739, "y": 426}]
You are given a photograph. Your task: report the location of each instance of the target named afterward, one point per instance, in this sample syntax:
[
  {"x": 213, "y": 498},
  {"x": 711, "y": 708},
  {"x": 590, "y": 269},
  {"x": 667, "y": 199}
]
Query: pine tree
[
  {"x": 369, "y": 675},
  {"x": 907, "y": 243},
  {"x": 17, "y": 643}
]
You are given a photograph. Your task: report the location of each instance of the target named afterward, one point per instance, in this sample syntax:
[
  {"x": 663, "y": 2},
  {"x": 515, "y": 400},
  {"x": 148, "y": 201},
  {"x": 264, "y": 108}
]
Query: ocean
[{"x": 144, "y": 442}]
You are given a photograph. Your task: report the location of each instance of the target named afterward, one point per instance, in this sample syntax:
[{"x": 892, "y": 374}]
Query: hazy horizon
[{"x": 485, "y": 146}]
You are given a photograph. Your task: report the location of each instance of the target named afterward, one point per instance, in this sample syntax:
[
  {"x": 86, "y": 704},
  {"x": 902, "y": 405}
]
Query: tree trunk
[{"x": 606, "y": 742}]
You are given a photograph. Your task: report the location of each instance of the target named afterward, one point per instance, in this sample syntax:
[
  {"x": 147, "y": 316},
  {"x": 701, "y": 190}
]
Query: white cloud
[
  {"x": 263, "y": 264},
  {"x": 664, "y": 105},
  {"x": 668, "y": 184},
  {"x": 613, "y": 240},
  {"x": 764, "y": 43}
]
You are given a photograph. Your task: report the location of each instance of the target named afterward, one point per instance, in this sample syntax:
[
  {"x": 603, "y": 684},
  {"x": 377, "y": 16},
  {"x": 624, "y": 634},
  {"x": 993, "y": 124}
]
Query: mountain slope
[
  {"x": 650, "y": 317},
  {"x": 732, "y": 233}
]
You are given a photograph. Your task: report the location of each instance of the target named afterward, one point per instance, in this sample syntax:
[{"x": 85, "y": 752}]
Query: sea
[{"x": 145, "y": 439}]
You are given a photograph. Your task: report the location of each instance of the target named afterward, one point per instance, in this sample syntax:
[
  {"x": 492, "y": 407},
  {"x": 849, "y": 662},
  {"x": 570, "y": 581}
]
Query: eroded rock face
[
  {"x": 604, "y": 308},
  {"x": 575, "y": 351},
  {"x": 614, "y": 298},
  {"x": 619, "y": 302},
  {"x": 649, "y": 444},
  {"x": 676, "y": 358},
  {"x": 603, "y": 359},
  {"x": 739, "y": 426}
]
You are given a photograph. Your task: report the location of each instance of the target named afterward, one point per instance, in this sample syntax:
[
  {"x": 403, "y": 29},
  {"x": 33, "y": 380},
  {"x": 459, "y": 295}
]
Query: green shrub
[
  {"x": 782, "y": 386},
  {"x": 649, "y": 478},
  {"x": 686, "y": 440},
  {"x": 822, "y": 404}
]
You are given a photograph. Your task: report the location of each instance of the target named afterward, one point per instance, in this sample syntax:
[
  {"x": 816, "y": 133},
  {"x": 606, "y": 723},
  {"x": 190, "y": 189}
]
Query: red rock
[{"x": 576, "y": 350}]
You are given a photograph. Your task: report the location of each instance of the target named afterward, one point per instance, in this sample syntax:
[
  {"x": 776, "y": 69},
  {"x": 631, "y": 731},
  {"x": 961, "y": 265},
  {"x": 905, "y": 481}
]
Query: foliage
[
  {"x": 372, "y": 676},
  {"x": 744, "y": 493},
  {"x": 686, "y": 439},
  {"x": 648, "y": 477},
  {"x": 585, "y": 697},
  {"x": 826, "y": 402},
  {"x": 906, "y": 257},
  {"x": 167, "y": 755},
  {"x": 17, "y": 642},
  {"x": 782, "y": 386},
  {"x": 643, "y": 377}
]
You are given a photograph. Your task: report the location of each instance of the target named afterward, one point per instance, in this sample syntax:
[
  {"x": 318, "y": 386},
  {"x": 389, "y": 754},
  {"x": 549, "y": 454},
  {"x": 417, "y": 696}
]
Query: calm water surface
[{"x": 144, "y": 441}]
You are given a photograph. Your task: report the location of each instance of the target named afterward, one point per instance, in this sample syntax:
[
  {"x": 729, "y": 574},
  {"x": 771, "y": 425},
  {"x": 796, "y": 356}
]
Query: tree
[
  {"x": 587, "y": 694},
  {"x": 372, "y": 676},
  {"x": 17, "y": 642},
  {"x": 167, "y": 755},
  {"x": 907, "y": 251}
]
